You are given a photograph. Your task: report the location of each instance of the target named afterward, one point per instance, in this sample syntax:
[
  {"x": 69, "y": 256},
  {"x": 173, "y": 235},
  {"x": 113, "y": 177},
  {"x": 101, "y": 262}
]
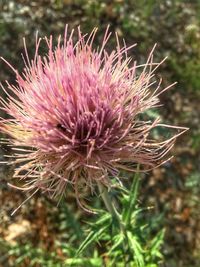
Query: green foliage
[
  {"x": 193, "y": 184},
  {"x": 23, "y": 254},
  {"x": 105, "y": 239},
  {"x": 126, "y": 242}
]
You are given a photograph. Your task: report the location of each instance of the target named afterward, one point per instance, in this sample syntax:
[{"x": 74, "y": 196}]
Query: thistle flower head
[{"x": 76, "y": 116}]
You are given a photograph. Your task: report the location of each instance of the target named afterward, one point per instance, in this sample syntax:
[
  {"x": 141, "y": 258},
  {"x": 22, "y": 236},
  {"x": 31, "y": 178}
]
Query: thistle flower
[{"x": 76, "y": 116}]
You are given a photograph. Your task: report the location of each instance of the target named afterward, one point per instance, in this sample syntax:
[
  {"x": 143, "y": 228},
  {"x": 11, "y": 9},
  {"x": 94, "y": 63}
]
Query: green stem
[
  {"x": 107, "y": 200},
  {"x": 111, "y": 208}
]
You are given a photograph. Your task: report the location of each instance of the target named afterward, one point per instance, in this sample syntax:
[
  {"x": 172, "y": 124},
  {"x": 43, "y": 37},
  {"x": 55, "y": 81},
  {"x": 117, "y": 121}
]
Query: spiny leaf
[
  {"x": 117, "y": 240},
  {"x": 137, "y": 249},
  {"x": 156, "y": 243},
  {"x": 94, "y": 235},
  {"x": 104, "y": 219},
  {"x": 132, "y": 199},
  {"x": 95, "y": 262}
]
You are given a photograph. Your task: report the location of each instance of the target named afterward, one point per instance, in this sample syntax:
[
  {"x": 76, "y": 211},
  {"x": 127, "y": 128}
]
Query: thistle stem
[
  {"x": 109, "y": 204},
  {"x": 111, "y": 208}
]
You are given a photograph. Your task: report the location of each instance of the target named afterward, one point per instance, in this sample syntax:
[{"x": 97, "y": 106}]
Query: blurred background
[{"x": 173, "y": 190}]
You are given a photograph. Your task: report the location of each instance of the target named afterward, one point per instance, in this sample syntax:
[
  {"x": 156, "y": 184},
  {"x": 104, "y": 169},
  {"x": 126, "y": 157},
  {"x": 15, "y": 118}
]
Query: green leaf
[
  {"x": 132, "y": 200},
  {"x": 117, "y": 240},
  {"x": 156, "y": 244},
  {"x": 94, "y": 235},
  {"x": 92, "y": 262},
  {"x": 136, "y": 249},
  {"x": 104, "y": 219}
]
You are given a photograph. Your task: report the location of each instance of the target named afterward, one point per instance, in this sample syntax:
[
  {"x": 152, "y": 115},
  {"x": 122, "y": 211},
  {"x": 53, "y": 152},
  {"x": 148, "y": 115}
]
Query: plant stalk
[
  {"x": 110, "y": 205},
  {"x": 111, "y": 208}
]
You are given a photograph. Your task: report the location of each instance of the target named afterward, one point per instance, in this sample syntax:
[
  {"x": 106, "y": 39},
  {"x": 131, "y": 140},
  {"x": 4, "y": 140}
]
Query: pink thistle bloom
[{"x": 76, "y": 116}]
